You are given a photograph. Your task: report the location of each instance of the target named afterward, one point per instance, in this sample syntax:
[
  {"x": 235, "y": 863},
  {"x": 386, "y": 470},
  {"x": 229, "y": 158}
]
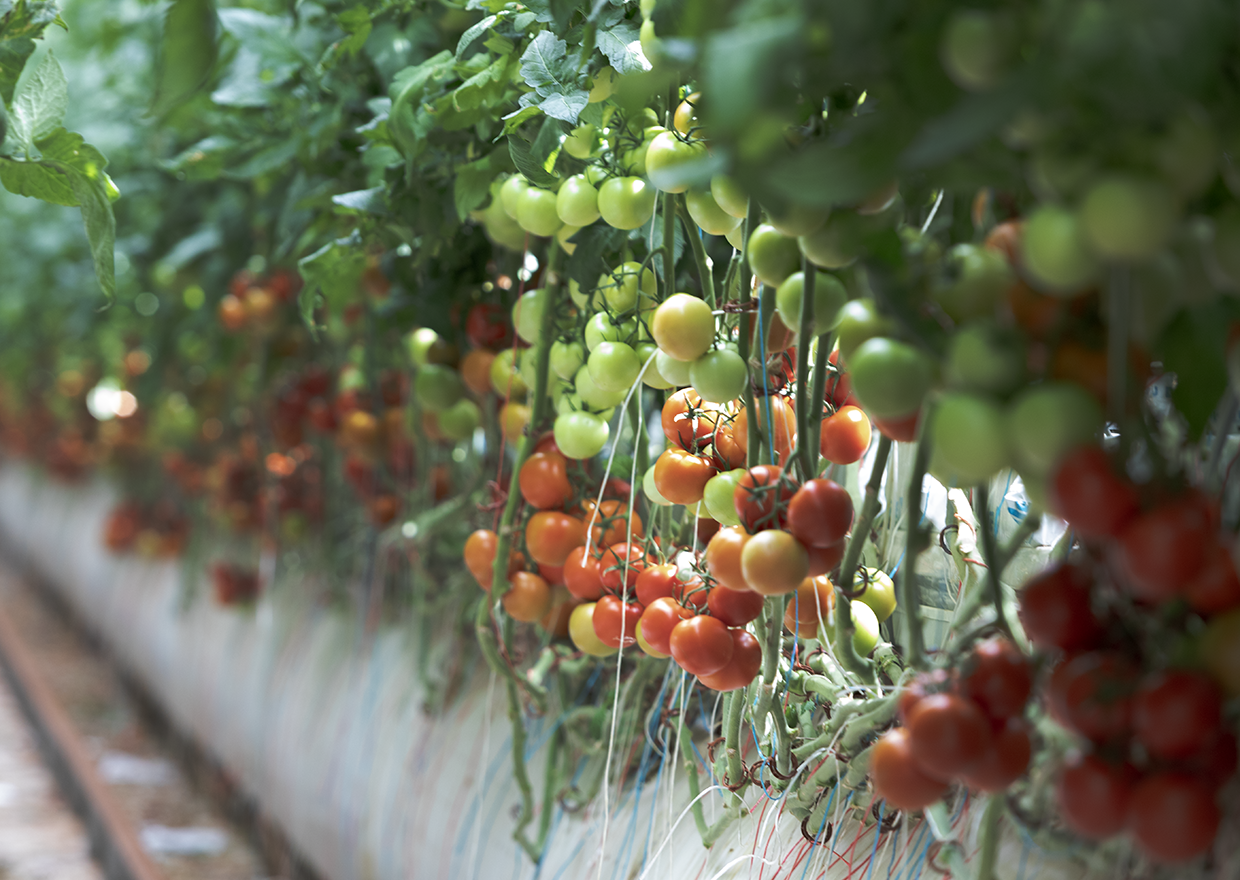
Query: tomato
[
  {"x": 1055, "y": 253},
  {"x": 648, "y": 649},
  {"x": 614, "y": 366},
  {"x": 931, "y": 682},
  {"x": 659, "y": 619},
  {"x": 823, "y": 560},
  {"x": 741, "y": 669},
  {"x": 762, "y": 496},
  {"x": 903, "y": 430},
  {"x": 729, "y": 195},
  {"x": 621, "y": 564},
  {"x": 576, "y": 203},
  {"x": 820, "y": 513},
  {"x": 626, "y": 202},
  {"x": 1176, "y": 714},
  {"x": 459, "y": 421},
  {"x": 982, "y": 357},
  {"x": 681, "y": 476},
  {"x": 611, "y": 524},
  {"x": 719, "y": 375},
  {"x": 723, "y": 557},
  {"x": 685, "y": 119},
  {"x": 889, "y": 378},
  {"x": 974, "y": 48},
  {"x": 1161, "y": 551},
  {"x": 726, "y": 450},
  {"x": 476, "y": 371},
  {"x": 1098, "y": 688},
  {"x": 996, "y": 676},
  {"x": 845, "y": 436},
  {"x": 968, "y": 433},
  {"x": 1173, "y": 817},
  {"x": 1055, "y": 609},
  {"x": 673, "y": 163},
  {"x": 1086, "y": 492},
  {"x": 687, "y": 421},
  {"x": 734, "y": 607},
  {"x": 829, "y": 297},
  {"x": 528, "y": 597},
  {"x": 683, "y": 327},
  {"x": 673, "y": 371},
  {"x": 860, "y": 321},
  {"x": 659, "y": 581},
  {"x": 782, "y": 418},
  {"x": 510, "y": 194},
  {"x": 480, "y": 550},
  {"x": 552, "y": 574},
  {"x": 232, "y": 313},
  {"x": 717, "y": 496},
  {"x": 947, "y": 734},
  {"x": 1047, "y": 421},
  {"x": 1004, "y": 761},
  {"x": 627, "y": 287},
  {"x": 601, "y": 328},
  {"x": 897, "y": 777},
  {"x": 581, "y": 574},
  {"x": 836, "y": 244},
  {"x": 1094, "y": 795},
  {"x": 1216, "y": 586},
  {"x": 774, "y": 562},
  {"x": 982, "y": 276},
  {"x": 536, "y": 212},
  {"x": 701, "y": 645},
  {"x": 772, "y": 255},
  {"x": 1215, "y": 763},
  {"x": 486, "y": 326},
  {"x": 544, "y": 480},
  {"x": 1128, "y": 218},
  {"x": 1219, "y": 650},
  {"x": 708, "y": 214},
  {"x": 811, "y": 606},
  {"x": 550, "y": 536},
  {"x": 615, "y": 622},
  {"x": 580, "y": 434},
  {"x": 566, "y": 359},
  {"x": 581, "y": 632},
  {"x": 796, "y": 220}
]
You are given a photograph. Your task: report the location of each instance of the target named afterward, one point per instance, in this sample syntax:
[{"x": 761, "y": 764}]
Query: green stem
[
  {"x": 691, "y": 770},
  {"x": 989, "y": 855},
  {"x": 705, "y": 278},
  {"x": 916, "y": 541},
  {"x": 991, "y": 555},
  {"x": 825, "y": 344},
  {"x": 807, "y": 451},
  {"x": 669, "y": 244},
  {"x": 766, "y": 309},
  {"x": 732, "y": 735},
  {"x": 521, "y": 775},
  {"x": 972, "y": 601},
  {"x": 744, "y": 295}
]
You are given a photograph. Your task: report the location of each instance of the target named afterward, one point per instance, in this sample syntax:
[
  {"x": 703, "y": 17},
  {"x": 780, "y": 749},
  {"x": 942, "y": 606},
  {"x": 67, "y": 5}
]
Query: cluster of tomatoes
[
  {"x": 252, "y": 303},
  {"x": 159, "y": 530}
]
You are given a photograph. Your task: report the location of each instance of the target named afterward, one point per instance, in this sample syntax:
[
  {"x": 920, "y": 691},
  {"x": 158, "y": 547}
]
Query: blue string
[{"x": 878, "y": 833}]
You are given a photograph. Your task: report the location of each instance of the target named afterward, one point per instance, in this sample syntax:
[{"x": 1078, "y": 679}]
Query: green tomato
[
  {"x": 577, "y": 201},
  {"x": 836, "y": 244},
  {"x": 879, "y": 592},
  {"x": 829, "y": 298},
  {"x": 527, "y": 365},
  {"x": 860, "y": 320},
  {"x": 536, "y": 212},
  {"x": 719, "y": 376},
  {"x": 1049, "y": 420},
  {"x": 983, "y": 357},
  {"x": 633, "y": 161},
  {"x": 580, "y": 434},
  {"x": 729, "y": 196},
  {"x": 1055, "y": 252},
  {"x": 527, "y": 314},
  {"x": 651, "y": 490},
  {"x": 1128, "y": 218},
  {"x": 683, "y": 327},
  {"x": 505, "y": 378},
  {"x": 419, "y": 344},
  {"x": 969, "y": 439},
  {"x": 736, "y": 237},
  {"x": 600, "y": 328},
  {"x": 707, "y": 214},
  {"x": 718, "y": 496},
  {"x": 592, "y": 395},
  {"x": 797, "y": 220},
  {"x": 627, "y": 286},
  {"x": 600, "y": 89},
  {"x": 674, "y": 371},
  {"x": 614, "y": 366},
  {"x": 459, "y": 421},
  {"x": 579, "y": 143},
  {"x": 502, "y": 229},
  {"x": 772, "y": 255},
  {"x": 974, "y": 48},
  {"x": 865, "y": 628},
  {"x": 673, "y": 164},
  {"x": 982, "y": 278},
  {"x": 1188, "y": 154},
  {"x": 437, "y": 387},
  {"x": 652, "y": 378},
  {"x": 567, "y": 358},
  {"x": 510, "y": 194},
  {"x": 890, "y": 378},
  {"x": 1226, "y": 242},
  {"x": 626, "y": 202},
  {"x": 581, "y": 632}
]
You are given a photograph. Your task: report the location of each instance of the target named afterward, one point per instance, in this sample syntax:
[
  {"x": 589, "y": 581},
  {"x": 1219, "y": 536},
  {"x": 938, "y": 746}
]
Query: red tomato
[
  {"x": 897, "y": 778},
  {"x": 822, "y": 560},
  {"x": 681, "y": 476},
  {"x": 947, "y": 734},
  {"x": 1094, "y": 795},
  {"x": 615, "y": 622},
  {"x": 723, "y": 557},
  {"x": 1217, "y": 762},
  {"x": 552, "y": 574},
  {"x": 544, "y": 480},
  {"x": 742, "y": 668},
  {"x": 758, "y": 506},
  {"x": 1176, "y": 714},
  {"x": 1216, "y": 587},
  {"x": 997, "y": 677},
  {"x": 582, "y": 576},
  {"x": 1098, "y": 687},
  {"x": 1173, "y": 817},
  {"x": 1055, "y": 609},
  {"x": 845, "y": 435},
  {"x": 658, "y": 621},
  {"x": 662, "y": 580},
  {"x": 1160, "y": 552},
  {"x": 486, "y": 325},
  {"x": 1087, "y": 493},
  {"x": 550, "y": 536},
  {"x": 903, "y": 430},
  {"x": 1005, "y": 761},
  {"x": 838, "y": 388},
  {"x": 925, "y": 683},
  {"x": 701, "y": 645},
  {"x": 621, "y": 564},
  {"x": 480, "y": 550},
  {"x": 688, "y": 421},
  {"x": 528, "y": 598},
  {"x": 611, "y": 524},
  {"x": 726, "y": 451},
  {"x": 782, "y": 418},
  {"x": 820, "y": 513},
  {"x": 734, "y": 607}
]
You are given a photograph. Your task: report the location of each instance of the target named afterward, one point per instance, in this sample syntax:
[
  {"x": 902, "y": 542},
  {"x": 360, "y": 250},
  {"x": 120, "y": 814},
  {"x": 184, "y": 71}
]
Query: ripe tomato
[
  {"x": 742, "y": 668},
  {"x": 901, "y": 430},
  {"x": 621, "y": 564},
  {"x": 761, "y": 498},
  {"x": 552, "y": 574},
  {"x": 486, "y": 326},
  {"x": 811, "y": 606},
  {"x": 820, "y": 513},
  {"x": 611, "y": 525},
  {"x": 476, "y": 371},
  {"x": 1094, "y": 795},
  {"x": 688, "y": 421},
  {"x": 659, "y": 619},
  {"x": 837, "y": 390},
  {"x": 845, "y": 435},
  {"x": 726, "y": 449},
  {"x": 663, "y": 580},
  {"x": 615, "y": 622},
  {"x": 947, "y": 734},
  {"x": 823, "y": 560},
  {"x": 783, "y": 419},
  {"x": 734, "y": 607},
  {"x": 582, "y": 576},
  {"x": 897, "y": 778},
  {"x": 1055, "y": 609},
  {"x": 528, "y": 598},
  {"x": 701, "y": 645},
  {"x": 723, "y": 557},
  {"x": 1098, "y": 687},
  {"x": 774, "y": 562},
  {"x": 1173, "y": 817},
  {"x": 1176, "y": 714},
  {"x": 997, "y": 677},
  {"x": 1216, "y": 587},
  {"x": 1217, "y": 762},
  {"x": 681, "y": 476},
  {"x": 544, "y": 480},
  {"x": 1005, "y": 761},
  {"x": 480, "y": 550},
  {"x": 551, "y": 535},
  {"x": 1161, "y": 551}
]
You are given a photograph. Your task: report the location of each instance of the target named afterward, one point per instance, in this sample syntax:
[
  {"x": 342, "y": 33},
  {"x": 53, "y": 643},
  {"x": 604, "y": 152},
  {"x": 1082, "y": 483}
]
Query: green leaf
[
  {"x": 187, "y": 53},
  {"x": 37, "y": 180},
  {"x": 473, "y": 182},
  {"x": 528, "y": 165},
  {"x": 39, "y": 106},
  {"x": 546, "y": 68},
  {"x": 363, "y": 201},
  {"x": 974, "y": 118},
  {"x": 740, "y": 62},
  {"x": 335, "y": 271},
  {"x": 100, "y": 229},
  {"x": 473, "y": 32},
  {"x": 1193, "y": 346},
  {"x": 407, "y": 90},
  {"x": 265, "y": 35},
  {"x": 623, "y": 48},
  {"x": 13, "y": 55},
  {"x": 205, "y": 160},
  {"x": 20, "y": 26},
  {"x": 594, "y": 244},
  {"x": 253, "y": 81},
  {"x": 355, "y": 22}
]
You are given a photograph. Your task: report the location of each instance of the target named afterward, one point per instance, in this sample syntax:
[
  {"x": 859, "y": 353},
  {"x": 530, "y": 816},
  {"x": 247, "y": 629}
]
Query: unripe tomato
[
  {"x": 889, "y": 378},
  {"x": 829, "y": 297},
  {"x": 1128, "y": 218},
  {"x": 774, "y": 562},
  {"x": 536, "y": 212},
  {"x": 772, "y": 255},
  {"x": 510, "y": 194},
  {"x": 970, "y": 439},
  {"x": 984, "y": 358},
  {"x": 628, "y": 287},
  {"x": 672, "y": 164},
  {"x": 683, "y": 327},
  {"x": 708, "y": 214},
  {"x": 718, "y": 493},
  {"x": 719, "y": 375},
  {"x": 728, "y": 194},
  {"x": 1047, "y": 421},
  {"x": 626, "y": 202},
  {"x": 681, "y": 476},
  {"x": 459, "y": 421},
  {"x": 982, "y": 278},
  {"x": 974, "y": 48},
  {"x": 1055, "y": 253},
  {"x": 576, "y": 203},
  {"x": 580, "y": 434},
  {"x": 834, "y": 245},
  {"x": 581, "y": 632},
  {"x": 1219, "y": 650}
]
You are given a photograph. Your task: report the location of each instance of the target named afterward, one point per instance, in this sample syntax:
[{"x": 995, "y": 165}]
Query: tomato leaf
[
  {"x": 334, "y": 271},
  {"x": 1193, "y": 346},
  {"x": 100, "y": 224},
  {"x": 473, "y": 33},
  {"x": 527, "y": 164},
  {"x": 39, "y": 105},
  {"x": 20, "y": 25},
  {"x": 355, "y": 22},
  {"x": 363, "y": 201},
  {"x": 587, "y": 262},
  {"x": 973, "y": 119},
  {"x": 623, "y": 48},
  {"x": 546, "y": 68},
  {"x": 187, "y": 53}
]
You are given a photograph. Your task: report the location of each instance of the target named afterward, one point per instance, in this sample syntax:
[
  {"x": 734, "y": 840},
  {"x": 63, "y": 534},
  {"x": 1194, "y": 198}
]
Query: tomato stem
[
  {"x": 705, "y": 278},
  {"x": 994, "y": 563},
  {"x": 917, "y": 540},
  {"x": 807, "y": 451},
  {"x": 989, "y": 833},
  {"x": 744, "y": 295}
]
